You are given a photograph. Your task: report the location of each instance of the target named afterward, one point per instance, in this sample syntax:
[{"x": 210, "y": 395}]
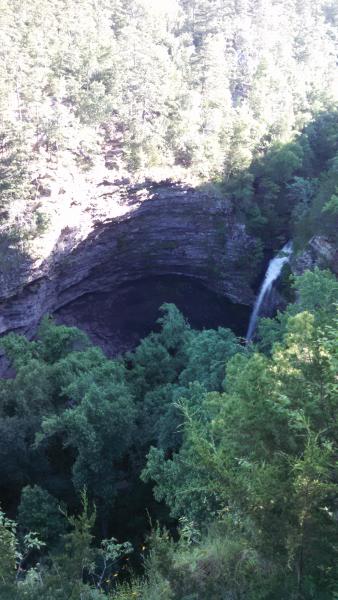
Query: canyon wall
[{"x": 124, "y": 234}]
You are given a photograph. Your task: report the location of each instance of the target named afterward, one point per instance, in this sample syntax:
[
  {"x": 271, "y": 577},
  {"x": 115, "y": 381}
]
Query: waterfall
[{"x": 273, "y": 272}]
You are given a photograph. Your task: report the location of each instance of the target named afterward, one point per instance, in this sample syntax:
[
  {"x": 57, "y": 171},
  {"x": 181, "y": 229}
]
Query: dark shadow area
[{"x": 117, "y": 320}]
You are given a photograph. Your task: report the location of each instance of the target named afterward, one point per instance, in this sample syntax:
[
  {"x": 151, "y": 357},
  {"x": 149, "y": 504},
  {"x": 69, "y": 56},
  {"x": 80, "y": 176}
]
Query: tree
[
  {"x": 99, "y": 428},
  {"x": 40, "y": 512},
  {"x": 207, "y": 355},
  {"x": 263, "y": 454}
]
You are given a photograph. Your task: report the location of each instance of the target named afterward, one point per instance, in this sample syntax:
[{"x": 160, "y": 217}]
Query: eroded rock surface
[
  {"x": 125, "y": 234},
  {"x": 319, "y": 252}
]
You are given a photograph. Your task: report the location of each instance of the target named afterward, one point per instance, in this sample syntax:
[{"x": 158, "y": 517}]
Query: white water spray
[{"x": 273, "y": 272}]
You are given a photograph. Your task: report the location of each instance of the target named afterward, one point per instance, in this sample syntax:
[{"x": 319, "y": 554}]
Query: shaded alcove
[{"x": 116, "y": 320}]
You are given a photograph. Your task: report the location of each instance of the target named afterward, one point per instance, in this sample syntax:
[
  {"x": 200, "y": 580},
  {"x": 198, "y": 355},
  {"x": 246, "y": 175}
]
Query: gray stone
[{"x": 163, "y": 229}]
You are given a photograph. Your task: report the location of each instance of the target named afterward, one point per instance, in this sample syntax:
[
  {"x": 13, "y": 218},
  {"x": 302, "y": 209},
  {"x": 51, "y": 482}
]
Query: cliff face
[
  {"x": 125, "y": 234},
  {"x": 319, "y": 252}
]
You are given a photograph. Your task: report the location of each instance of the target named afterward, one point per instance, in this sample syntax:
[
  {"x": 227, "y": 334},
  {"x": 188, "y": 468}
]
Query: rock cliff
[
  {"x": 118, "y": 233},
  {"x": 319, "y": 252}
]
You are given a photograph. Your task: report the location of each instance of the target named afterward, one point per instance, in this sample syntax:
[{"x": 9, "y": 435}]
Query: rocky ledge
[
  {"x": 319, "y": 252},
  {"x": 125, "y": 233}
]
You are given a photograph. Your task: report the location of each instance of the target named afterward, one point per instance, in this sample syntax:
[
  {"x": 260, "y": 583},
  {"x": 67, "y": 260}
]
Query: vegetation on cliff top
[
  {"x": 188, "y": 87},
  {"x": 199, "y": 83}
]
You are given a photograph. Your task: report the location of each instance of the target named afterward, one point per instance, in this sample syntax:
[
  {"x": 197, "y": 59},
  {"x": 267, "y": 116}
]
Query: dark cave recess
[{"x": 118, "y": 319}]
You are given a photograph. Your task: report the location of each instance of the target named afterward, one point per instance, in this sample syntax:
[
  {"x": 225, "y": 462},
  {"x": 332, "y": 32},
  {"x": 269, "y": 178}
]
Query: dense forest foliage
[
  {"x": 190, "y": 88},
  {"x": 240, "y": 443},
  {"x": 292, "y": 188},
  {"x": 200, "y": 83}
]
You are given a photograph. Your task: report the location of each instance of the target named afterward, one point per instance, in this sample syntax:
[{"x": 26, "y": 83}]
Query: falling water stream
[{"x": 273, "y": 272}]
